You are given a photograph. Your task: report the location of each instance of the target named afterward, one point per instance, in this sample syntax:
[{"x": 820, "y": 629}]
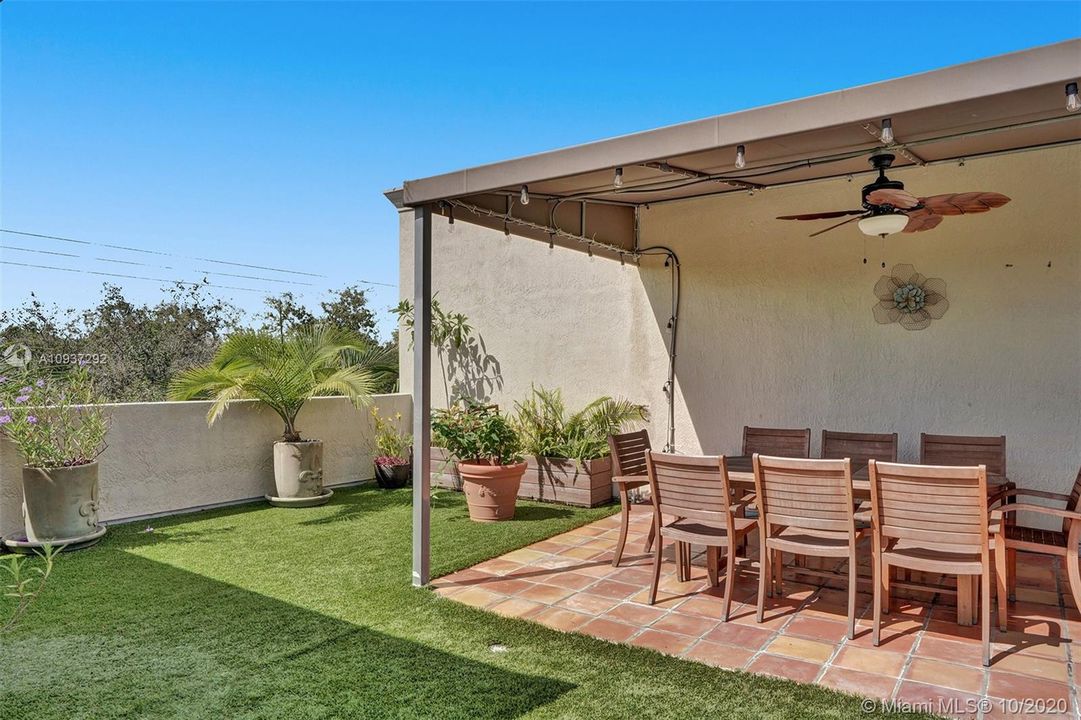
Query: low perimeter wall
[{"x": 163, "y": 458}]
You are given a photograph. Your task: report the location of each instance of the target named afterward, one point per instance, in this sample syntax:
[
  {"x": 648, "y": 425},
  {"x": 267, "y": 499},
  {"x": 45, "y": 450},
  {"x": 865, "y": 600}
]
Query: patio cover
[{"x": 1001, "y": 104}]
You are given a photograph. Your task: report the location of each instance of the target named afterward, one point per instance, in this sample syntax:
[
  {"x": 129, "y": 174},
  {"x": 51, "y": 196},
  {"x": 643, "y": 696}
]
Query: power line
[
  {"x": 183, "y": 257},
  {"x": 149, "y": 265},
  {"x": 131, "y": 277},
  {"x": 158, "y": 252}
]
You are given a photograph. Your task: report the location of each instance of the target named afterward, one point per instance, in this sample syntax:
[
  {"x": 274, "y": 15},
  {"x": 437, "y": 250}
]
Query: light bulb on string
[
  {"x": 887, "y": 131},
  {"x": 741, "y": 157},
  {"x": 1073, "y": 102},
  {"x": 524, "y": 197},
  {"x": 618, "y": 180}
]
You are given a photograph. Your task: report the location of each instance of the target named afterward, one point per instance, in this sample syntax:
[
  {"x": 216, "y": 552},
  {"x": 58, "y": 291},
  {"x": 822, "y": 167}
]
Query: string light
[
  {"x": 887, "y": 131},
  {"x": 741, "y": 157},
  {"x": 1073, "y": 103},
  {"x": 618, "y": 180},
  {"x": 524, "y": 198}
]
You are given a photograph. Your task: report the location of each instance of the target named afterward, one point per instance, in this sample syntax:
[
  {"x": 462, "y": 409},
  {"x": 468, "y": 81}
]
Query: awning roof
[{"x": 993, "y": 105}]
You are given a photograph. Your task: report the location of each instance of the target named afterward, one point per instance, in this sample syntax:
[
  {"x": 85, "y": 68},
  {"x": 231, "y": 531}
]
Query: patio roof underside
[{"x": 1001, "y": 104}]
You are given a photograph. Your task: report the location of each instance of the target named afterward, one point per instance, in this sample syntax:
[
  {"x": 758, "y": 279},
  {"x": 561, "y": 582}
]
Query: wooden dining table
[{"x": 741, "y": 477}]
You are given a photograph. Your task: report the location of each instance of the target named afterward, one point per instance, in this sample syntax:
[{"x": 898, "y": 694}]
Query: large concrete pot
[
  {"x": 298, "y": 474},
  {"x": 491, "y": 490},
  {"x": 60, "y": 505}
]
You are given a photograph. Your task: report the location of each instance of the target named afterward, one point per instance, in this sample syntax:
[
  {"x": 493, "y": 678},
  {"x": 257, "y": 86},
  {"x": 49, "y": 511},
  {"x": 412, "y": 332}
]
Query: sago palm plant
[
  {"x": 285, "y": 372},
  {"x": 548, "y": 430}
]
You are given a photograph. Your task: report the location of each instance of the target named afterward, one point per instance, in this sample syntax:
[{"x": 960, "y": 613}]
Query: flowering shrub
[
  {"x": 54, "y": 421},
  {"x": 392, "y": 444}
]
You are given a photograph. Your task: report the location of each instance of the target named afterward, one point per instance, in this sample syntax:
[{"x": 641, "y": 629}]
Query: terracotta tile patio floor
[{"x": 567, "y": 582}]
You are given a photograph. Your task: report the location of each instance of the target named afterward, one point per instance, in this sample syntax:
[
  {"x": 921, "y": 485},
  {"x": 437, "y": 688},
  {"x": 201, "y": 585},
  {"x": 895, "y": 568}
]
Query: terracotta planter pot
[
  {"x": 60, "y": 504},
  {"x": 298, "y": 473},
  {"x": 491, "y": 490}
]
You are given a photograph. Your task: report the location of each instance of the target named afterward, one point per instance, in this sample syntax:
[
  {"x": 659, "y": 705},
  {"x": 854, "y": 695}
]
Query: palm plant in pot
[
  {"x": 59, "y": 424},
  {"x": 393, "y": 468},
  {"x": 488, "y": 451},
  {"x": 283, "y": 373}
]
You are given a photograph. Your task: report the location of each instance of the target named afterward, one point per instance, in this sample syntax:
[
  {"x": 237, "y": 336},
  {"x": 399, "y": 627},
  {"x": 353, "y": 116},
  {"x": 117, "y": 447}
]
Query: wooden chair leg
[
  {"x": 656, "y": 571},
  {"x": 712, "y": 561},
  {"x": 1011, "y": 573},
  {"x": 765, "y": 582},
  {"x": 884, "y": 580},
  {"x": 777, "y": 562},
  {"x": 965, "y": 601},
  {"x": 624, "y": 522},
  {"x": 1074, "y": 574},
  {"x": 729, "y": 581},
  {"x": 652, "y": 534},
  {"x": 985, "y": 612},
  {"x": 879, "y": 570},
  {"x": 853, "y": 578},
  {"x": 1000, "y": 581},
  {"x": 683, "y": 562}
]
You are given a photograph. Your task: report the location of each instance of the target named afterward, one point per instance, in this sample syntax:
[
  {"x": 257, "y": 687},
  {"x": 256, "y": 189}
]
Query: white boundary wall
[{"x": 162, "y": 457}]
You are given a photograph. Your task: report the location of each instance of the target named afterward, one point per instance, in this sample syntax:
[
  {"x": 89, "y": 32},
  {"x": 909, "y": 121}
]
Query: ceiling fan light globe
[{"x": 883, "y": 225}]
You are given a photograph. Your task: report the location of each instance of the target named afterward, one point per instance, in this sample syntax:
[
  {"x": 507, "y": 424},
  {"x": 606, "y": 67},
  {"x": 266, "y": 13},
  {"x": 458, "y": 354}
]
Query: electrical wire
[
  {"x": 150, "y": 265},
  {"x": 131, "y": 277},
  {"x": 672, "y": 261}
]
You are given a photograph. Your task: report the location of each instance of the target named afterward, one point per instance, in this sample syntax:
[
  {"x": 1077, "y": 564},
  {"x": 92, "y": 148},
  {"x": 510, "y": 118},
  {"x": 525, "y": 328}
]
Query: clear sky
[{"x": 265, "y": 133}]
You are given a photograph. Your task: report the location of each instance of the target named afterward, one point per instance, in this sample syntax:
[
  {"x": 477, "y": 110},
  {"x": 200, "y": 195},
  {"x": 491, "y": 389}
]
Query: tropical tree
[
  {"x": 285, "y": 372},
  {"x": 548, "y": 430}
]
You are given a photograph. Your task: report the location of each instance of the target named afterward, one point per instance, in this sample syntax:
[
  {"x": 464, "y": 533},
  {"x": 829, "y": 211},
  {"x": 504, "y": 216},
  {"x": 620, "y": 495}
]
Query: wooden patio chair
[
  {"x": 969, "y": 451},
  {"x": 778, "y": 442},
  {"x": 859, "y": 447},
  {"x": 696, "y": 490},
  {"x": 805, "y": 507},
  {"x": 1012, "y": 537},
  {"x": 629, "y": 452},
  {"x": 931, "y": 518}
]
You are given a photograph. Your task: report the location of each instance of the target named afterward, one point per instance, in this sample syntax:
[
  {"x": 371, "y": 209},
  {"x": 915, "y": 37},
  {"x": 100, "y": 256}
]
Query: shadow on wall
[{"x": 471, "y": 372}]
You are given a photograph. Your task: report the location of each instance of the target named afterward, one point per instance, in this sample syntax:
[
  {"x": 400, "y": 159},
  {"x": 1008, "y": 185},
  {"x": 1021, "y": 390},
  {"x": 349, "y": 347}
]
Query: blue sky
[{"x": 266, "y": 133}]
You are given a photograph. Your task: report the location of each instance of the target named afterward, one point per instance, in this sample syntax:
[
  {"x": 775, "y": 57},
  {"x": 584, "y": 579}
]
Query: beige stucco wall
[
  {"x": 162, "y": 457},
  {"x": 776, "y": 329}
]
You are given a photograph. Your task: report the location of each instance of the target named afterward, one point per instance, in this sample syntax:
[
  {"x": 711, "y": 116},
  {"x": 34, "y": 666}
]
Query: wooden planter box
[{"x": 558, "y": 480}]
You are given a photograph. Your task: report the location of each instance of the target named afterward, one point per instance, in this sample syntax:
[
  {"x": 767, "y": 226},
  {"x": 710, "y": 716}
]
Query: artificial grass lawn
[{"x": 260, "y": 612}]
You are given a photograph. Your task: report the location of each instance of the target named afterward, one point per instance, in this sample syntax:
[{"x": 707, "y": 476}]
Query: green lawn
[{"x": 259, "y": 612}]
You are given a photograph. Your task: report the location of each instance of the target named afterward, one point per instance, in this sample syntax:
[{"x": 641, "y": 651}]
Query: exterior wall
[
  {"x": 163, "y": 458},
  {"x": 776, "y": 328}
]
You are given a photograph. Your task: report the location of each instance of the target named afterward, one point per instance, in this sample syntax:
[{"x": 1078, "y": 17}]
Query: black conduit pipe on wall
[{"x": 671, "y": 261}]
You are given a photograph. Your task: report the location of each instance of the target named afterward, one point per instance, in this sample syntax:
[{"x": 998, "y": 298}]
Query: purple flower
[
  {"x": 40, "y": 383},
  {"x": 26, "y": 389},
  {"x": 5, "y": 419},
  {"x": 32, "y": 419},
  {"x": 3, "y": 378},
  {"x": 83, "y": 362},
  {"x": 21, "y": 399}
]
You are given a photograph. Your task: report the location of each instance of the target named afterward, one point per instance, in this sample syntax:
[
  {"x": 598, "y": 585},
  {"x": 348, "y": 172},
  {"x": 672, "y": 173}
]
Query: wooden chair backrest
[
  {"x": 860, "y": 447},
  {"x": 804, "y": 494},
  {"x": 1075, "y": 502},
  {"x": 778, "y": 442},
  {"x": 942, "y": 506},
  {"x": 629, "y": 452},
  {"x": 691, "y": 486},
  {"x": 967, "y": 450}
]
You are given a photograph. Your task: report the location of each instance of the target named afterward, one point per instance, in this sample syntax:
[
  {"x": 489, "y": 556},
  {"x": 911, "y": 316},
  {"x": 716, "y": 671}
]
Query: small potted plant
[
  {"x": 393, "y": 468},
  {"x": 59, "y": 425},
  {"x": 488, "y": 451},
  {"x": 283, "y": 373}
]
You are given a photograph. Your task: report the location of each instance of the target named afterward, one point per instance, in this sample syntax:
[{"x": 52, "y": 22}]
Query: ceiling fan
[{"x": 889, "y": 208}]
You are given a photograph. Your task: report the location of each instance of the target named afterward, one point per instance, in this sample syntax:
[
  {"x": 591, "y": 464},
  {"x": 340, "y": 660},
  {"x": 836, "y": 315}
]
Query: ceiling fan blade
[
  {"x": 831, "y": 227},
  {"x": 963, "y": 203},
  {"x": 890, "y": 196},
  {"x": 821, "y": 215},
  {"x": 922, "y": 220}
]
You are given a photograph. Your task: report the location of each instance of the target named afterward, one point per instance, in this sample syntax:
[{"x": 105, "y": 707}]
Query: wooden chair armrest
[
  {"x": 994, "y": 526},
  {"x": 1043, "y": 509},
  {"x": 1013, "y": 492},
  {"x": 630, "y": 479}
]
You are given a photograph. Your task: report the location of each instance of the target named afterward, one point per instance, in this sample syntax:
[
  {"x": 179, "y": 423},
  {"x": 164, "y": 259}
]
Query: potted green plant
[
  {"x": 393, "y": 466},
  {"x": 283, "y": 373},
  {"x": 488, "y": 453},
  {"x": 58, "y": 424},
  {"x": 567, "y": 452}
]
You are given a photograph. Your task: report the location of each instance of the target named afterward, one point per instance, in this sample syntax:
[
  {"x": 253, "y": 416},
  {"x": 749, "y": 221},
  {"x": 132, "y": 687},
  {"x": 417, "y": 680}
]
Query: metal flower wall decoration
[{"x": 907, "y": 297}]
